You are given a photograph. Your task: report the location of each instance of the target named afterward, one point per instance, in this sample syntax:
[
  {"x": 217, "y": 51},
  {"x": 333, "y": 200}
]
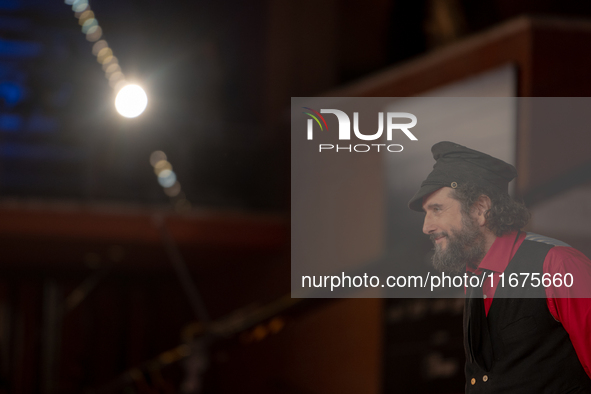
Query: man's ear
[{"x": 482, "y": 205}]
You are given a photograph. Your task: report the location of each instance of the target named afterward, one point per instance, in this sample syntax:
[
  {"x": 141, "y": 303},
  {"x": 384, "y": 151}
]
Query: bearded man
[{"x": 530, "y": 338}]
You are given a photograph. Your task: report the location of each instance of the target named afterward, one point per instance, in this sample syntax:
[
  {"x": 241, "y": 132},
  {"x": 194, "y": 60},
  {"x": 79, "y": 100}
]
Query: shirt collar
[{"x": 501, "y": 252}]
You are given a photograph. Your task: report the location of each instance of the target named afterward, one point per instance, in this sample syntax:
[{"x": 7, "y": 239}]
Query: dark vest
[{"x": 531, "y": 351}]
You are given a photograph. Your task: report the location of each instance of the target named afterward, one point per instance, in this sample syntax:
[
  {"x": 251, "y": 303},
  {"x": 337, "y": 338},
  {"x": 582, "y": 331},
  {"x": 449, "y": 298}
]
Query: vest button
[
  {"x": 473, "y": 381},
  {"x": 485, "y": 378}
]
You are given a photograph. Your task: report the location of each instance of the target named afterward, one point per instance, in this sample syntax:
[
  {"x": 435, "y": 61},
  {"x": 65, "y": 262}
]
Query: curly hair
[{"x": 504, "y": 216}]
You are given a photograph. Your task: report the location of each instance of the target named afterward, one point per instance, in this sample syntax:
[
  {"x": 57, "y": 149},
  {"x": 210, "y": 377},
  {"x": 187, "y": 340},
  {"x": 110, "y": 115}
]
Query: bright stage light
[{"x": 131, "y": 101}]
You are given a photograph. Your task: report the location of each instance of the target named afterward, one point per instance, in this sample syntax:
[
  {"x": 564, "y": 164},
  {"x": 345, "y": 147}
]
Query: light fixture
[{"x": 131, "y": 101}]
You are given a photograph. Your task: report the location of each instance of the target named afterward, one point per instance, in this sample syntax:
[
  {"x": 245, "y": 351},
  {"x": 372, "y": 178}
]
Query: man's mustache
[{"x": 434, "y": 236}]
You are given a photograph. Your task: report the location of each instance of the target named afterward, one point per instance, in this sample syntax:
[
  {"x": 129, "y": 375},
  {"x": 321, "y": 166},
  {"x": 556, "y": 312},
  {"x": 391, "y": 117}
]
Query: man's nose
[{"x": 428, "y": 225}]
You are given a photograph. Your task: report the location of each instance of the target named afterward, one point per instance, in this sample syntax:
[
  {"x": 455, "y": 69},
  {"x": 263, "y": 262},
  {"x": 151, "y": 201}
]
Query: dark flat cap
[{"x": 455, "y": 165}]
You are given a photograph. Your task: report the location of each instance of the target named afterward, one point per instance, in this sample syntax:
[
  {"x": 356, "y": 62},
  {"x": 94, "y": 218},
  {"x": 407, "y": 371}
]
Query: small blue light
[
  {"x": 11, "y": 123},
  {"x": 12, "y": 93},
  {"x": 9, "y": 5},
  {"x": 167, "y": 178},
  {"x": 88, "y": 24},
  {"x": 79, "y": 5},
  {"x": 20, "y": 48}
]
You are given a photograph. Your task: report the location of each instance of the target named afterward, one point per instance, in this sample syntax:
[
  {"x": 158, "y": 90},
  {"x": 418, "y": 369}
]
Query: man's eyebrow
[{"x": 431, "y": 206}]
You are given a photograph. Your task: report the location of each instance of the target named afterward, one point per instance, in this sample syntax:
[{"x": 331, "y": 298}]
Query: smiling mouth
[{"x": 438, "y": 238}]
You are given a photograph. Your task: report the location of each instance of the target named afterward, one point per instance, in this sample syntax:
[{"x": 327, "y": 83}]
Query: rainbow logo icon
[{"x": 315, "y": 118}]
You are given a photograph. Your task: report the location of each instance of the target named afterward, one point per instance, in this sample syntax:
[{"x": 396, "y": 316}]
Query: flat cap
[{"x": 455, "y": 165}]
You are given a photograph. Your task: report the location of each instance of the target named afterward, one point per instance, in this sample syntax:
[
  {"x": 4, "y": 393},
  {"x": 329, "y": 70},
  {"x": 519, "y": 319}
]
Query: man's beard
[{"x": 466, "y": 246}]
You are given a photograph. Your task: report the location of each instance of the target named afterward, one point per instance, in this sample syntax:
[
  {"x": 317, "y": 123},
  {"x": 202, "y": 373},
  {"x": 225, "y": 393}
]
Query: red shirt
[{"x": 574, "y": 313}]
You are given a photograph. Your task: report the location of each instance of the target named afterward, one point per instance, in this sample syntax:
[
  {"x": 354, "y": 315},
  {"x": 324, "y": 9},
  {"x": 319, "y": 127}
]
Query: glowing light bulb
[
  {"x": 79, "y": 5},
  {"x": 173, "y": 190},
  {"x": 156, "y": 157},
  {"x": 94, "y": 33},
  {"x": 103, "y": 54},
  {"x": 131, "y": 101},
  {"x": 112, "y": 67},
  {"x": 111, "y": 61},
  {"x": 161, "y": 166},
  {"x": 166, "y": 178},
  {"x": 84, "y": 16},
  {"x": 96, "y": 48},
  {"x": 90, "y": 23}
]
